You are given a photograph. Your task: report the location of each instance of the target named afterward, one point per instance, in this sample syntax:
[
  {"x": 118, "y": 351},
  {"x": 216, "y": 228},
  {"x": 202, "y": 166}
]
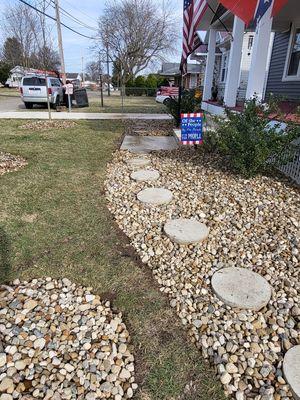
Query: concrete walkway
[{"x": 79, "y": 115}]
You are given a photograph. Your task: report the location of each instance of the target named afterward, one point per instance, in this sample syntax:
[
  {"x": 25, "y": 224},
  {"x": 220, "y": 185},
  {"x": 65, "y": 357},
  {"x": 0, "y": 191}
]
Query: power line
[
  {"x": 86, "y": 15},
  {"x": 68, "y": 15},
  {"x": 54, "y": 19}
]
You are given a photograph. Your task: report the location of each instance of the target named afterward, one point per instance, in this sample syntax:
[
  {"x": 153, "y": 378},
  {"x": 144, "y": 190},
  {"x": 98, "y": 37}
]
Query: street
[{"x": 11, "y": 103}]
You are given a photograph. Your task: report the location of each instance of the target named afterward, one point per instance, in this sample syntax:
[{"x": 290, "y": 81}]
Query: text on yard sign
[{"x": 191, "y": 128}]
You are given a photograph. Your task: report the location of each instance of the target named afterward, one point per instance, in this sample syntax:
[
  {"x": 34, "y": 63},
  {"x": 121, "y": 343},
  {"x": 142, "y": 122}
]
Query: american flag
[
  {"x": 193, "y": 11},
  {"x": 262, "y": 7}
]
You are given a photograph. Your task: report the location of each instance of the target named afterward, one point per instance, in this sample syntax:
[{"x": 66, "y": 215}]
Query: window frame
[
  {"x": 286, "y": 77},
  {"x": 225, "y": 55},
  {"x": 250, "y": 43}
]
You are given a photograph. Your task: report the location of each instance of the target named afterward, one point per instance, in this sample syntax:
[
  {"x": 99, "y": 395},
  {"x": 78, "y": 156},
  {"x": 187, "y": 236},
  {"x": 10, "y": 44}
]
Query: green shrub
[
  {"x": 190, "y": 102},
  {"x": 248, "y": 141},
  {"x": 140, "y": 82}
]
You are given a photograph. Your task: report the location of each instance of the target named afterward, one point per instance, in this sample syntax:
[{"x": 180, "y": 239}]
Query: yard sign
[{"x": 191, "y": 128}]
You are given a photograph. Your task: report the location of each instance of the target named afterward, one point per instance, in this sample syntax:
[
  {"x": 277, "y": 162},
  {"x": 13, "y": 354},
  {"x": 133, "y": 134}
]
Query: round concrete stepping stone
[
  {"x": 291, "y": 370},
  {"x": 186, "y": 231},
  {"x": 138, "y": 162},
  {"x": 145, "y": 175},
  {"x": 155, "y": 196},
  {"x": 241, "y": 288}
]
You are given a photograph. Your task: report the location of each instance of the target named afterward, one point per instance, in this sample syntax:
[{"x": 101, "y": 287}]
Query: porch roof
[
  {"x": 281, "y": 22},
  {"x": 173, "y": 69}
]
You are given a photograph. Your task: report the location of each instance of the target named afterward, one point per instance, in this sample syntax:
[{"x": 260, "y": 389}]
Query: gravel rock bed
[
  {"x": 10, "y": 162},
  {"x": 144, "y": 128},
  {"x": 59, "y": 341},
  {"x": 252, "y": 224},
  {"x": 44, "y": 126}
]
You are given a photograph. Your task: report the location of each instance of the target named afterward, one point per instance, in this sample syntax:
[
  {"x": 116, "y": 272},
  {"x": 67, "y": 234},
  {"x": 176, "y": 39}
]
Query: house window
[
  {"x": 224, "y": 66},
  {"x": 295, "y": 54},
  {"x": 292, "y": 67},
  {"x": 250, "y": 42}
]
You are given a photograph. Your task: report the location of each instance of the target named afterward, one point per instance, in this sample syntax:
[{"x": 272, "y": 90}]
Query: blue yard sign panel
[{"x": 191, "y": 128}]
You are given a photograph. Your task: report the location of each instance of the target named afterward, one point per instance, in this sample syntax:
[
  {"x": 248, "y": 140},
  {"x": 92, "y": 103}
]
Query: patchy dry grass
[{"x": 54, "y": 222}]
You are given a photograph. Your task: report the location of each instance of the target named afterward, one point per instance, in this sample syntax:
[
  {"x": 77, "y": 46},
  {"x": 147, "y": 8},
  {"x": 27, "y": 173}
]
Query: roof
[
  {"x": 174, "y": 69},
  {"x": 72, "y": 75}
]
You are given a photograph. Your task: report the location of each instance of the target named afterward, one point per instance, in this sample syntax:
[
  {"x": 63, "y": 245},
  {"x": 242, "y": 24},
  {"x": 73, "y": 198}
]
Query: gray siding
[{"x": 288, "y": 90}]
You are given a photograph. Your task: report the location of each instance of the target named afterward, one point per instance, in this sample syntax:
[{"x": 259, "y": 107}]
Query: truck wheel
[{"x": 29, "y": 106}]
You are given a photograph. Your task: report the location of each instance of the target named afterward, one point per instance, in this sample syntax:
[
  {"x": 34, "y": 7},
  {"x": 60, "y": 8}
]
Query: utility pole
[
  {"x": 107, "y": 70},
  {"x": 82, "y": 68},
  {"x": 100, "y": 81},
  {"x": 61, "y": 50}
]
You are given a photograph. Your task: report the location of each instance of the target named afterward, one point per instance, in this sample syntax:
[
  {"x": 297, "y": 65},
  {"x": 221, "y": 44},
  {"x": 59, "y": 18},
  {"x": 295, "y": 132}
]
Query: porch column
[
  {"x": 234, "y": 64},
  {"x": 258, "y": 66},
  {"x": 210, "y": 65}
]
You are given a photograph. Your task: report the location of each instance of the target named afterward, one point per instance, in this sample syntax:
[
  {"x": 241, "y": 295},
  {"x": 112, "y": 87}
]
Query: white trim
[
  {"x": 210, "y": 63},
  {"x": 257, "y": 71},
  {"x": 286, "y": 77},
  {"x": 270, "y": 52},
  {"x": 234, "y": 63},
  {"x": 213, "y": 109}
]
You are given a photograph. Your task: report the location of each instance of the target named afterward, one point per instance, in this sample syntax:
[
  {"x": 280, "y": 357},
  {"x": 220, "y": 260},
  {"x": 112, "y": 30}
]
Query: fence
[{"x": 292, "y": 167}]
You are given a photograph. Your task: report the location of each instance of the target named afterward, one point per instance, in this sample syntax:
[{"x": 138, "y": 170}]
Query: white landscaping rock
[
  {"x": 145, "y": 175},
  {"x": 186, "y": 231},
  {"x": 155, "y": 196},
  {"x": 66, "y": 327},
  {"x": 251, "y": 225},
  {"x": 291, "y": 370},
  {"x": 241, "y": 288},
  {"x": 138, "y": 162}
]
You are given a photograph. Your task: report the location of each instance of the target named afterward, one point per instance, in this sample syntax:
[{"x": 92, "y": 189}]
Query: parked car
[
  {"x": 165, "y": 93},
  {"x": 33, "y": 90}
]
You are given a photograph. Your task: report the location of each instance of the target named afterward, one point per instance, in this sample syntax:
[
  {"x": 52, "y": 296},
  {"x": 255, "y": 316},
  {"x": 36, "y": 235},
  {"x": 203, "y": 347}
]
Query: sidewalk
[{"x": 77, "y": 116}]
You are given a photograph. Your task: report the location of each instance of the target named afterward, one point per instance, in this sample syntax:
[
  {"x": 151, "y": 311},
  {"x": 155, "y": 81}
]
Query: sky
[{"x": 75, "y": 46}]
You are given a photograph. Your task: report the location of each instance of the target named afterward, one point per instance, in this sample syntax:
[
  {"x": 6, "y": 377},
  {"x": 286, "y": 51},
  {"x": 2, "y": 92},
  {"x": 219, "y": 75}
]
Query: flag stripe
[{"x": 192, "y": 15}]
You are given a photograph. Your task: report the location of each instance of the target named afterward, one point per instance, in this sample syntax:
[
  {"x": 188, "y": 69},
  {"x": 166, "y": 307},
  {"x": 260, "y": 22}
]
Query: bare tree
[
  {"x": 31, "y": 32},
  {"x": 136, "y": 34},
  {"x": 93, "y": 70},
  {"x": 19, "y": 21}
]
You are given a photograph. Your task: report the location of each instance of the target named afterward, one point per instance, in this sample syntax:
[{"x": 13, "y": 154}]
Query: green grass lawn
[
  {"x": 9, "y": 92},
  {"x": 132, "y": 104},
  {"x": 54, "y": 222}
]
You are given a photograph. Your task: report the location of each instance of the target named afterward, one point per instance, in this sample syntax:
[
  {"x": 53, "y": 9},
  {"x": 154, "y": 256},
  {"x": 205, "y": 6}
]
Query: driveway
[{"x": 11, "y": 103}]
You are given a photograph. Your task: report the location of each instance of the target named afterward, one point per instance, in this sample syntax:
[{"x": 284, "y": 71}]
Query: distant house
[
  {"x": 15, "y": 77},
  {"x": 193, "y": 78},
  {"x": 74, "y": 77}
]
